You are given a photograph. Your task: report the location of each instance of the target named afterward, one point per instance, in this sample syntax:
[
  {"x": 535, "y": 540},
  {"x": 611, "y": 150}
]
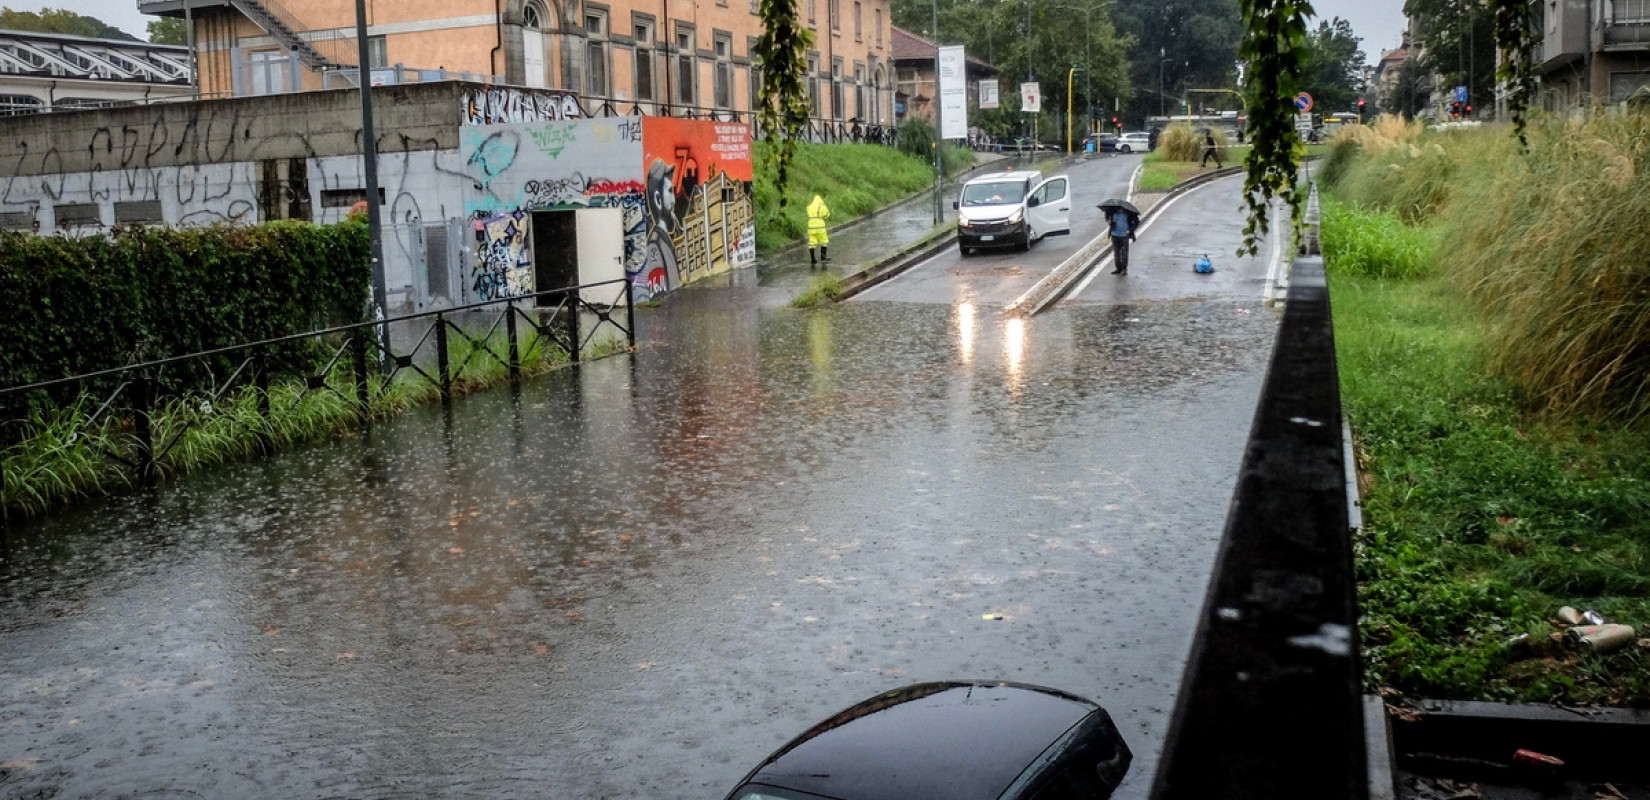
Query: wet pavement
[{"x": 636, "y": 578}]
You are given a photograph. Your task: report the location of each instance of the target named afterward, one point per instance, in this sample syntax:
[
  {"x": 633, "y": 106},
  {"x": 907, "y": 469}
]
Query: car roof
[
  {"x": 952, "y": 740},
  {"x": 994, "y": 177}
]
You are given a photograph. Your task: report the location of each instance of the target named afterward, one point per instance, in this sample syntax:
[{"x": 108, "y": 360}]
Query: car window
[
  {"x": 1051, "y": 191},
  {"x": 994, "y": 193},
  {"x": 756, "y": 791}
]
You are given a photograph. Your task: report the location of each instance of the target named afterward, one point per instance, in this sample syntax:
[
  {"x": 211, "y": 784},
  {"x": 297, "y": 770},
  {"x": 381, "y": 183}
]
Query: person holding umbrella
[{"x": 1122, "y": 218}]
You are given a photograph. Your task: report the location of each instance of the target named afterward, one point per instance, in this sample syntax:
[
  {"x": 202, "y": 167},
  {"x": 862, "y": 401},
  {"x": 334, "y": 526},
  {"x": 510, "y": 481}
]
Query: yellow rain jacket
[{"x": 818, "y": 212}]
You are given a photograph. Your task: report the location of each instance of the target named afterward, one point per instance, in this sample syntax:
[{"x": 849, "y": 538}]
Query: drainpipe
[
  {"x": 492, "y": 58},
  {"x": 668, "y": 38}
]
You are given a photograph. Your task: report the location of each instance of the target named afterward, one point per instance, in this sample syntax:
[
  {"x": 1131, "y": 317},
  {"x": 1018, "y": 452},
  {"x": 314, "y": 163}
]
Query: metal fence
[{"x": 344, "y": 361}]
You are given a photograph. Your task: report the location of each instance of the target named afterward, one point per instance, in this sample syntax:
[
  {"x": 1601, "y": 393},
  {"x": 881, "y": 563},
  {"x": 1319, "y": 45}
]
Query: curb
[{"x": 894, "y": 264}]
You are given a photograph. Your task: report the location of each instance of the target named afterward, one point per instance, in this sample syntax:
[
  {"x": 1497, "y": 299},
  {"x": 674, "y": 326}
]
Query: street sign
[
  {"x": 1031, "y": 100},
  {"x": 1460, "y": 94},
  {"x": 1303, "y": 102},
  {"x": 1303, "y": 124}
]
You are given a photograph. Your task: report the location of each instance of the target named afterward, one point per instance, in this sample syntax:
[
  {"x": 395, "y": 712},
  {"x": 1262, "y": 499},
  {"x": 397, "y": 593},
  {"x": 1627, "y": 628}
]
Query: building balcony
[{"x": 1623, "y": 25}]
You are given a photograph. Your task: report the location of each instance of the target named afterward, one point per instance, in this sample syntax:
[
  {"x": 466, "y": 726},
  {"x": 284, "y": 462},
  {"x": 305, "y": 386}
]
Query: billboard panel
[{"x": 988, "y": 94}]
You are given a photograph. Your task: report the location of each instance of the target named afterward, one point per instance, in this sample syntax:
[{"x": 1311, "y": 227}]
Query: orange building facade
[{"x": 665, "y": 56}]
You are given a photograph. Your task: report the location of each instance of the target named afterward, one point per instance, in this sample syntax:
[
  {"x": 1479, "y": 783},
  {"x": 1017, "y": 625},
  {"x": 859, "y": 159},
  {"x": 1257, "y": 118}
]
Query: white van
[{"x": 1012, "y": 209}]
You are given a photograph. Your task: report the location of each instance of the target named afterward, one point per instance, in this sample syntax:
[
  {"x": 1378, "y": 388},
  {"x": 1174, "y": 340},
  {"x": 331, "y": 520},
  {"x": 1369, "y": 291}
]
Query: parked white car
[
  {"x": 1012, "y": 209},
  {"x": 1134, "y": 143}
]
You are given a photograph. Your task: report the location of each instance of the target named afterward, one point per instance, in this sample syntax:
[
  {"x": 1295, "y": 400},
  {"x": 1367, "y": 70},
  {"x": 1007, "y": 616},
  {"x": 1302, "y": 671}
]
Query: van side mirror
[
  {"x": 953, "y": 205},
  {"x": 1033, "y": 201}
]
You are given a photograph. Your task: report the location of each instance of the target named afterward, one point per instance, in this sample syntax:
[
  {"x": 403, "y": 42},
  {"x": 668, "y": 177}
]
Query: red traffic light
[{"x": 1360, "y": 102}]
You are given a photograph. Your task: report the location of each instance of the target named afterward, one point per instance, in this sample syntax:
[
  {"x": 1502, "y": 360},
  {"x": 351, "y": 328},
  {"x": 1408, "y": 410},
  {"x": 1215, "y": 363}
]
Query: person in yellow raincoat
[{"x": 818, "y": 212}]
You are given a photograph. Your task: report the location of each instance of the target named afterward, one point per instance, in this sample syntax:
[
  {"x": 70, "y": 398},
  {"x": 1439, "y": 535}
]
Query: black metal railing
[{"x": 343, "y": 361}]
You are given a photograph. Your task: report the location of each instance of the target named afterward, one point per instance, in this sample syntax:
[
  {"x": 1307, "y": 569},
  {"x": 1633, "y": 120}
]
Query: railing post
[
  {"x": 510, "y": 332},
  {"x": 630, "y": 313},
  {"x": 260, "y": 380},
  {"x": 445, "y": 379},
  {"x": 359, "y": 345},
  {"x": 573, "y": 327},
  {"x": 143, "y": 426}
]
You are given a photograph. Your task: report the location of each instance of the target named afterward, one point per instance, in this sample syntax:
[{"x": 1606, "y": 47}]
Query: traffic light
[
  {"x": 1360, "y": 111},
  {"x": 1455, "y": 109},
  {"x": 1117, "y": 123}
]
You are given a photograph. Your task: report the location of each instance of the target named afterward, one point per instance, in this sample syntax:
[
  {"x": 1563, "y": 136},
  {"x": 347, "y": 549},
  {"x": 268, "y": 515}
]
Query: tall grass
[
  {"x": 1181, "y": 142},
  {"x": 1373, "y": 243},
  {"x": 1557, "y": 244}
]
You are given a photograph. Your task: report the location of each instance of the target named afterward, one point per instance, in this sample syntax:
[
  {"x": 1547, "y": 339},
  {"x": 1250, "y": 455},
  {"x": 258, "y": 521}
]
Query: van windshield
[{"x": 993, "y": 194}]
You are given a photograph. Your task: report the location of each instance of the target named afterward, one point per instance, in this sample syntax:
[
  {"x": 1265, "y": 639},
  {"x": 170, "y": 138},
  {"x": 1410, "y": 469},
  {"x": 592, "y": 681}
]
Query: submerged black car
[{"x": 953, "y": 740}]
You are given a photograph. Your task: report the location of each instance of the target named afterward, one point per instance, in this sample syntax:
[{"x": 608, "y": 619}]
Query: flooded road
[{"x": 637, "y": 578}]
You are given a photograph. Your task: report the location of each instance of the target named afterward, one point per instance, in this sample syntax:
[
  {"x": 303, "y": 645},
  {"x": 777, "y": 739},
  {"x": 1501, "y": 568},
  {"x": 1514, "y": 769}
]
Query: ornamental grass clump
[
  {"x": 1556, "y": 249},
  {"x": 1374, "y": 243}
]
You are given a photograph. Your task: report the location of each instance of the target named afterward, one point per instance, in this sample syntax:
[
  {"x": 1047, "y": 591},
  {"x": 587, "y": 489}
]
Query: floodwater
[{"x": 636, "y": 578}]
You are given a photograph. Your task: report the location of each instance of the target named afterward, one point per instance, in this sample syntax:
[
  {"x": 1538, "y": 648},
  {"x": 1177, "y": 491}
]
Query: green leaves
[
  {"x": 782, "y": 105},
  {"x": 1273, "y": 46}
]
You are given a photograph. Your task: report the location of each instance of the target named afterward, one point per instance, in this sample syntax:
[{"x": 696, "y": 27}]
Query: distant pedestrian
[
  {"x": 1210, "y": 150},
  {"x": 1122, "y": 232},
  {"x": 818, "y": 212},
  {"x": 1151, "y": 139}
]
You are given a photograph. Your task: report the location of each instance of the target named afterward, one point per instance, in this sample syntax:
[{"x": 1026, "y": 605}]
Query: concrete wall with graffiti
[
  {"x": 460, "y": 169},
  {"x": 683, "y": 185}
]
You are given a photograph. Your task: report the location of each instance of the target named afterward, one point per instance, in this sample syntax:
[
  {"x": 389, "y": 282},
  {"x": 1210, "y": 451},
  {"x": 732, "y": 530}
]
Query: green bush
[
  {"x": 138, "y": 294},
  {"x": 854, "y": 179}
]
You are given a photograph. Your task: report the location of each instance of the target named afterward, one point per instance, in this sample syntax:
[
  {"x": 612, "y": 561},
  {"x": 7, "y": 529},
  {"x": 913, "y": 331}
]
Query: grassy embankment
[
  {"x": 1492, "y": 316},
  {"x": 854, "y": 179}
]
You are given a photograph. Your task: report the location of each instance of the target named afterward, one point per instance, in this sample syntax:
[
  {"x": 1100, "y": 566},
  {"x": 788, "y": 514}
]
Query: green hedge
[{"x": 86, "y": 304}]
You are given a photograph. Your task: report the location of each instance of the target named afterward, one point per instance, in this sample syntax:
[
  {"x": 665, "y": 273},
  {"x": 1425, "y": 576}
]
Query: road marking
[
  {"x": 1097, "y": 268},
  {"x": 1274, "y": 268}
]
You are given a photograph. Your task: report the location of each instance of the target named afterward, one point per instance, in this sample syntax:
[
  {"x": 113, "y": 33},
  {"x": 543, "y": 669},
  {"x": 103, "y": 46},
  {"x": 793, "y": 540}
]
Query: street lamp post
[
  {"x": 1069, "y": 74},
  {"x": 1160, "y": 62},
  {"x": 939, "y": 111}
]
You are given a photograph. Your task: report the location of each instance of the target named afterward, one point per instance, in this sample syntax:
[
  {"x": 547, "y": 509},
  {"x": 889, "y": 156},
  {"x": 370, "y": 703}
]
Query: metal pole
[
  {"x": 189, "y": 36},
  {"x": 1070, "y": 73},
  {"x": 1160, "y": 62},
  {"x": 939, "y": 172},
  {"x": 369, "y": 161}
]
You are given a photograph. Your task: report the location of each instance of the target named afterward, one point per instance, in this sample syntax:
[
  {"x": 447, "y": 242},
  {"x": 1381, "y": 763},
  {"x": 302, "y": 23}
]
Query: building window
[
  {"x": 879, "y": 27},
  {"x": 595, "y": 70},
  {"x": 859, "y": 29},
  {"x": 837, "y": 104},
  {"x": 835, "y": 10},
  {"x": 724, "y": 70},
  {"x": 644, "y": 59},
  {"x": 378, "y": 52},
  {"x": 269, "y": 70},
  {"x": 684, "y": 67},
  {"x": 811, "y": 13},
  {"x": 18, "y": 104},
  {"x": 531, "y": 18},
  {"x": 859, "y": 91},
  {"x": 813, "y": 84}
]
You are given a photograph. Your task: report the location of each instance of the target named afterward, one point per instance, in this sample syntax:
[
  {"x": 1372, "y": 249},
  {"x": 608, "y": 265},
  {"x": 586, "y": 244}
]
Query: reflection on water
[{"x": 637, "y": 577}]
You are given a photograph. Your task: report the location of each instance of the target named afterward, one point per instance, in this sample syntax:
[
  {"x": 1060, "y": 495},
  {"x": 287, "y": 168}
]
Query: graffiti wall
[
  {"x": 700, "y": 218},
  {"x": 683, "y": 185},
  {"x": 500, "y": 106}
]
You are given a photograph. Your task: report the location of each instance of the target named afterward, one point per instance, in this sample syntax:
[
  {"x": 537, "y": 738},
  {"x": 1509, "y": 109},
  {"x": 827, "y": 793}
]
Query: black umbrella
[{"x": 1114, "y": 205}]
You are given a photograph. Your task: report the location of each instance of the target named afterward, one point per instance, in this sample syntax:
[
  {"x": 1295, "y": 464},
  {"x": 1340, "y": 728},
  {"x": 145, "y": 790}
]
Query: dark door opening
[{"x": 555, "y": 253}]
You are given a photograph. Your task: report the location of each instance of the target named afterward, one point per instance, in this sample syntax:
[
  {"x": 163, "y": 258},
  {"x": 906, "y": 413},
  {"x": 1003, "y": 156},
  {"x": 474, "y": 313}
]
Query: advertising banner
[
  {"x": 1031, "y": 100},
  {"x": 988, "y": 94},
  {"x": 953, "y": 93}
]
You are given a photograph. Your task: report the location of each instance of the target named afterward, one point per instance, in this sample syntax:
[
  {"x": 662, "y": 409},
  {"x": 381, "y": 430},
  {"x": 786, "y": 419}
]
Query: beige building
[{"x": 678, "y": 57}]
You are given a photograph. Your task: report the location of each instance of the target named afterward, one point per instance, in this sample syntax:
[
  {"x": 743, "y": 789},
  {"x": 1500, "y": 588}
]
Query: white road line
[{"x": 1096, "y": 269}]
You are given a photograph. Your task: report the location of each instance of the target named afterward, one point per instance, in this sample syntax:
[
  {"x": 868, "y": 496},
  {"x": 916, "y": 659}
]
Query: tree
[
  {"x": 1406, "y": 98},
  {"x": 1457, "y": 43},
  {"x": 168, "y": 30},
  {"x": 1179, "y": 45},
  {"x": 58, "y": 20},
  {"x": 1333, "y": 68}
]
